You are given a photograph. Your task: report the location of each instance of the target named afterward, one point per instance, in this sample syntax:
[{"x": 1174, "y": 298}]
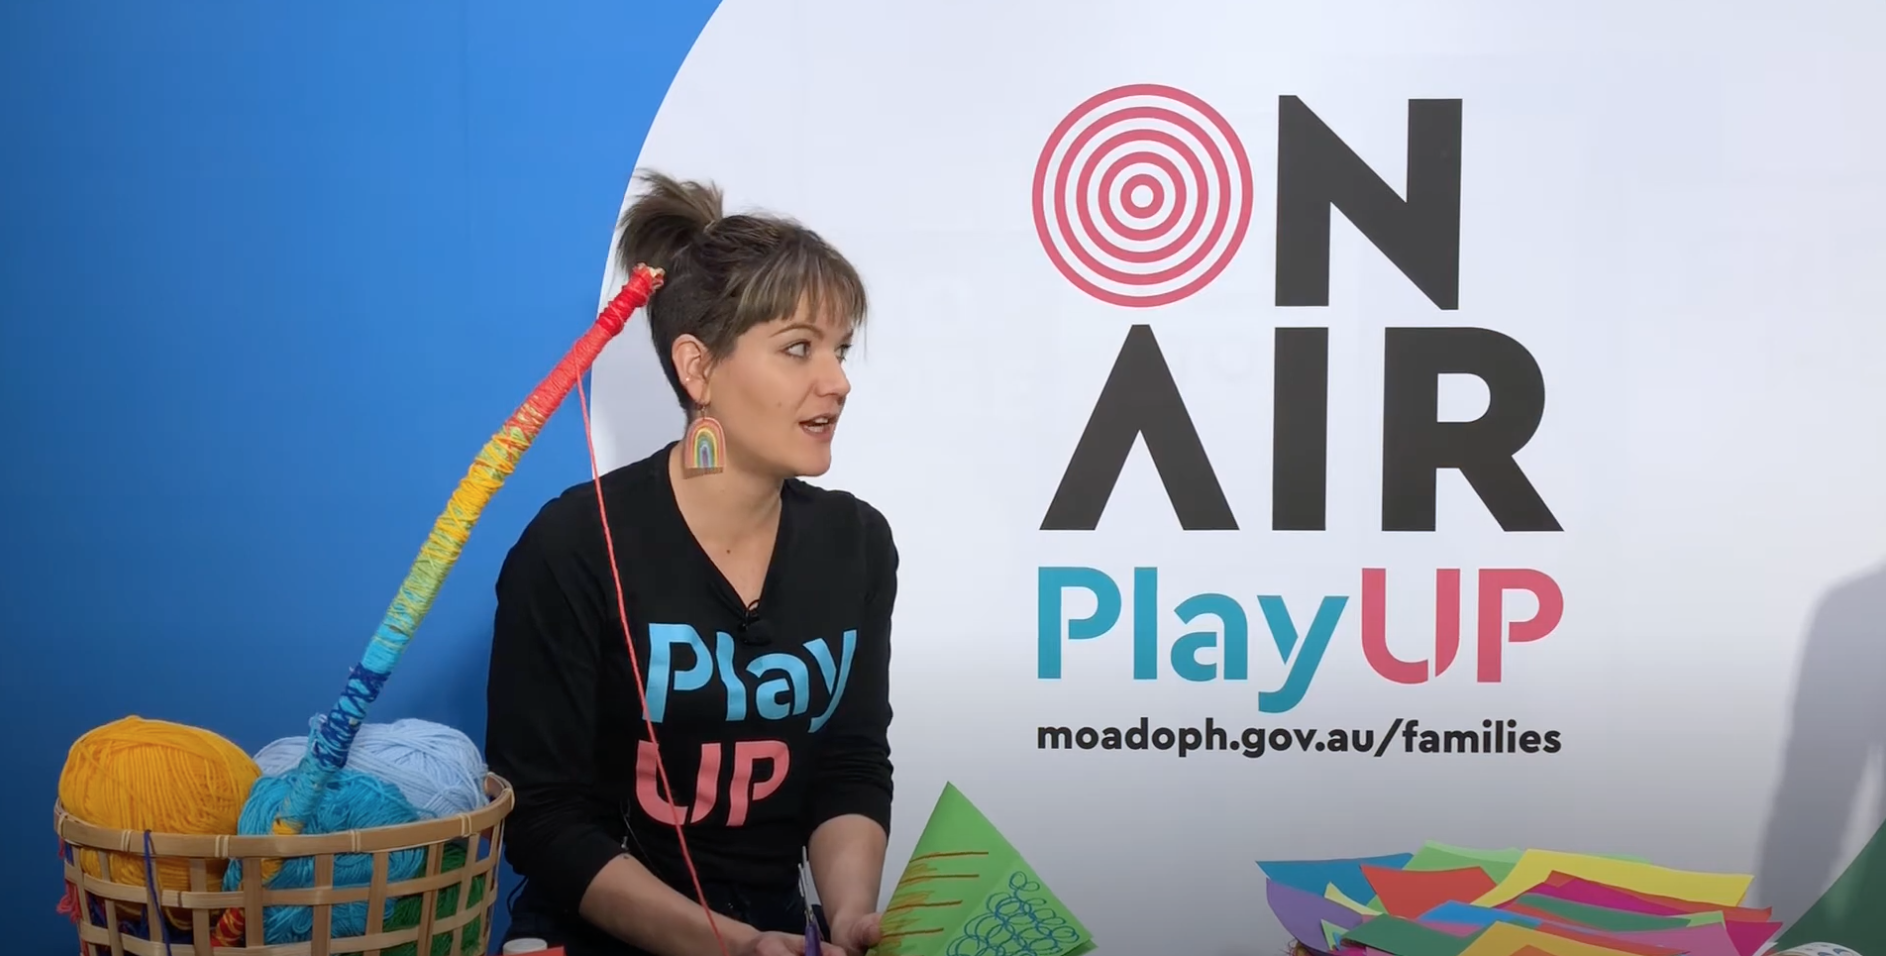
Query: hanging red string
[{"x": 635, "y": 664}]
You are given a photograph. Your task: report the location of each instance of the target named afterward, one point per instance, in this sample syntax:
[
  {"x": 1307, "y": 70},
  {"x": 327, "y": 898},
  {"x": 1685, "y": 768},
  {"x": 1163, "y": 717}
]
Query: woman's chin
[{"x": 814, "y": 464}]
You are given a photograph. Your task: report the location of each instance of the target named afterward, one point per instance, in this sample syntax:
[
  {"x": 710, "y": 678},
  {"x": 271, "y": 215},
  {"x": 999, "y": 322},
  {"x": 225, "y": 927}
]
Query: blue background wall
[{"x": 272, "y": 273}]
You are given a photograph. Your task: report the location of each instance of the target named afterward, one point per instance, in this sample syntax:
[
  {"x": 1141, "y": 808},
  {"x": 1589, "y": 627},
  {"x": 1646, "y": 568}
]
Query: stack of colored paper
[{"x": 1455, "y": 901}]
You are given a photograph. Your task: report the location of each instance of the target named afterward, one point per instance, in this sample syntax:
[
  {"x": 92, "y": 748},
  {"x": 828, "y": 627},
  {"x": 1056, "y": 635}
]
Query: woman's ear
[{"x": 692, "y": 364}]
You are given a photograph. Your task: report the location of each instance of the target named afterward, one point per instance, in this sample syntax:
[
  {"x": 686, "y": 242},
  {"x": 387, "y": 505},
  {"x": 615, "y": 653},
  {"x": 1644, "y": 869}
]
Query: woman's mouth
[{"x": 820, "y": 427}]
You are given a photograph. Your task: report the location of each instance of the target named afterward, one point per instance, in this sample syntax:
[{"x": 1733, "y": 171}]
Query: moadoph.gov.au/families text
[{"x": 1405, "y": 736}]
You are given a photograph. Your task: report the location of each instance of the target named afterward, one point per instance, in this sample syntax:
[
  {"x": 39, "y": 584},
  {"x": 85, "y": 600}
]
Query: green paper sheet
[
  {"x": 1441, "y": 856},
  {"x": 967, "y": 890},
  {"x": 1602, "y": 918},
  {"x": 1497, "y": 863},
  {"x": 1400, "y": 937},
  {"x": 1332, "y": 935},
  {"x": 1849, "y": 914}
]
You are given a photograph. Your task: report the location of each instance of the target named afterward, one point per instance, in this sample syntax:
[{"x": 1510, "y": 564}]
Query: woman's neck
[{"x": 727, "y": 508}]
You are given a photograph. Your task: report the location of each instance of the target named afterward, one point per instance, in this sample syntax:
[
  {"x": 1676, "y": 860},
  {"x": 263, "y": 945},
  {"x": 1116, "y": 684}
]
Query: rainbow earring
[{"x": 705, "y": 448}]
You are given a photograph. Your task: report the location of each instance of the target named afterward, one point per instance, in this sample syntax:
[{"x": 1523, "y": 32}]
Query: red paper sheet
[{"x": 1410, "y": 893}]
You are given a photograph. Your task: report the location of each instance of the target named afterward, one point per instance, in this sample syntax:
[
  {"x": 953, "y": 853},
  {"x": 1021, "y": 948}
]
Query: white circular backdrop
[{"x": 1675, "y": 208}]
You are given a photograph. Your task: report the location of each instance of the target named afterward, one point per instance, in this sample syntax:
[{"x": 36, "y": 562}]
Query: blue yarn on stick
[
  {"x": 354, "y": 801},
  {"x": 439, "y": 769}
]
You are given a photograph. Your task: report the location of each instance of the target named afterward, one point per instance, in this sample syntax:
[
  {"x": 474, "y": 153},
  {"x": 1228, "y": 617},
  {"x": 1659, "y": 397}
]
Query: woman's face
[{"x": 778, "y": 396}]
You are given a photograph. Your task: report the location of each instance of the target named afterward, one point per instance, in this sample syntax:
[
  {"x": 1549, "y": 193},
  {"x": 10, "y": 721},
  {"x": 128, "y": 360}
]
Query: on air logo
[{"x": 1143, "y": 196}]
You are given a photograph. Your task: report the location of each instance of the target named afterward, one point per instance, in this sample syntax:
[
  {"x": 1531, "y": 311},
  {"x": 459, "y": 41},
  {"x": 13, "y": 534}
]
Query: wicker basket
[{"x": 112, "y": 915}]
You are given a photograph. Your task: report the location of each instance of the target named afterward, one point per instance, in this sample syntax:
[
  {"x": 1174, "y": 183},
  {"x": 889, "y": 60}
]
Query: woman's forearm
[
  {"x": 847, "y": 856},
  {"x": 629, "y": 903}
]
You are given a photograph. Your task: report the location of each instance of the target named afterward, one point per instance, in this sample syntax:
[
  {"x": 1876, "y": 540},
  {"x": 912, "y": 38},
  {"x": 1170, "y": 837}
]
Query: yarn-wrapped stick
[{"x": 329, "y": 743}]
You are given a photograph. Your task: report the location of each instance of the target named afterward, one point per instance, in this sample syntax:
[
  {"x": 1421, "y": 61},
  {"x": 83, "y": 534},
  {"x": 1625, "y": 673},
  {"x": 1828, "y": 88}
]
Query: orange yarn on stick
[{"x": 137, "y": 774}]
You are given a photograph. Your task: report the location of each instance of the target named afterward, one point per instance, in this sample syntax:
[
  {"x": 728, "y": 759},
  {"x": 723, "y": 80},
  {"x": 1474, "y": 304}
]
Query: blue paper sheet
[
  {"x": 1468, "y": 914},
  {"x": 1316, "y": 876}
]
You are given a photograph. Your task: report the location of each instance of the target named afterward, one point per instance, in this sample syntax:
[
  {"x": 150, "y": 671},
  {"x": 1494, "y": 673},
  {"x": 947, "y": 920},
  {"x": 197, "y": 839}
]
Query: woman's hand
[
  {"x": 782, "y": 944},
  {"x": 847, "y": 855},
  {"x": 856, "y": 934}
]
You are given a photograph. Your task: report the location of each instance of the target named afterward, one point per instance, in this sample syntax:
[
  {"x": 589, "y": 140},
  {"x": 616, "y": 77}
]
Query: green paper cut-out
[
  {"x": 1401, "y": 937},
  {"x": 1332, "y": 935},
  {"x": 1442, "y": 856},
  {"x": 968, "y": 892},
  {"x": 1497, "y": 863},
  {"x": 1849, "y": 914}
]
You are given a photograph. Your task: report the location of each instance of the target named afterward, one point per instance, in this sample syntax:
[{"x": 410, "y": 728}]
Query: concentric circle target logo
[{"x": 1142, "y": 195}]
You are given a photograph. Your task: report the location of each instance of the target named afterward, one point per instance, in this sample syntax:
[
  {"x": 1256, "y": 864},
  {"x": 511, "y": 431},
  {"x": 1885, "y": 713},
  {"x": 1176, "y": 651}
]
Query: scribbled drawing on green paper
[
  {"x": 929, "y": 897},
  {"x": 967, "y": 892},
  {"x": 1017, "y": 920}
]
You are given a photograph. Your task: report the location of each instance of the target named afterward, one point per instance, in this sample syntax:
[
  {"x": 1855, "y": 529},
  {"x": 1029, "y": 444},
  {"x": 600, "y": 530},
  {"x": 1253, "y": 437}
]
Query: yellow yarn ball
[{"x": 136, "y": 774}]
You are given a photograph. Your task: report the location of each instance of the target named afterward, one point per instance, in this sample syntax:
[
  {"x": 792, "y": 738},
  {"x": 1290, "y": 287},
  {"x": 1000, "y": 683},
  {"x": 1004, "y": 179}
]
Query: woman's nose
[{"x": 834, "y": 381}]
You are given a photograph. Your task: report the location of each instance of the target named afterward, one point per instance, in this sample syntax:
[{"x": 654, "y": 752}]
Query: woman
[{"x": 760, "y": 610}]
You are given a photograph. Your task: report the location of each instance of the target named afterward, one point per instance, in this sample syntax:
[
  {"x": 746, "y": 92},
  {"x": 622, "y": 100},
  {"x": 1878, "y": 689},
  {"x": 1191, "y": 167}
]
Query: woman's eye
[
  {"x": 799, "y": 349},
  {"x": 844, "y": 352}
]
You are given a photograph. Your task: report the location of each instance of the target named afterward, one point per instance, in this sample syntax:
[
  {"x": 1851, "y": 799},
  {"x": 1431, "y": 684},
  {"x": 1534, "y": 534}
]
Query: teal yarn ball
[
  {"x": 354, "y": 801},
  {"x": 438, "y": 768}
]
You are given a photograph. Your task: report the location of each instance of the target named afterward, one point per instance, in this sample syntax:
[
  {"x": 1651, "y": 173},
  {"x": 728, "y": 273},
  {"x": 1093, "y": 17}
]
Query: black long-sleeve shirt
[{"x": 771, "y": 720}]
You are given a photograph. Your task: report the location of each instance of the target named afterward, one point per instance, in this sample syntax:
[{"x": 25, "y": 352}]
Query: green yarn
[{"x": 406, "y": 911}]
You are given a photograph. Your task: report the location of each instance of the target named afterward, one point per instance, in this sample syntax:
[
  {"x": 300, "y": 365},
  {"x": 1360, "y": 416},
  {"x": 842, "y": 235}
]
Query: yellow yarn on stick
[{"x": 137, "y": 774}]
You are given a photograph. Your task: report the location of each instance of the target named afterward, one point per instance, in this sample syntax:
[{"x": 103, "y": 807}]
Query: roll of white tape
[
  {"x": 524, "y": 946},
  {"x": 1818, "y": 949}
]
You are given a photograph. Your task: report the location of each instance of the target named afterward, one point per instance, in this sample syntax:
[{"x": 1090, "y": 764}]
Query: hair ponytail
[{"x": 666, "y": 221}]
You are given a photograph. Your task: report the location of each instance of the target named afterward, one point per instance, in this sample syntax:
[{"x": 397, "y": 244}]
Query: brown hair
[{"x": 727, "y": 274}]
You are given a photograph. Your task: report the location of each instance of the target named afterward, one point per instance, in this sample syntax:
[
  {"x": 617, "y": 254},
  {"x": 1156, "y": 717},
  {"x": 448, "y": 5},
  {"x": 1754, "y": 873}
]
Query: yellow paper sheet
[
  {"x": 1534, "y": 866},
  {"x": 1330, "y": 892},
  {"x": 1509, "y": 939}
]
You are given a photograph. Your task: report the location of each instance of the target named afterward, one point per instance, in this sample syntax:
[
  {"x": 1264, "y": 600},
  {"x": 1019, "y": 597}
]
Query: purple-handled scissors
[{"x": 813, "y": 941}]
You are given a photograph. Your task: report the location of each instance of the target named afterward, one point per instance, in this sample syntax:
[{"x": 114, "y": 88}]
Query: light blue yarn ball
[
  {"x": 354, "y": 801},
  {"x": 438, "y": 768}
]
